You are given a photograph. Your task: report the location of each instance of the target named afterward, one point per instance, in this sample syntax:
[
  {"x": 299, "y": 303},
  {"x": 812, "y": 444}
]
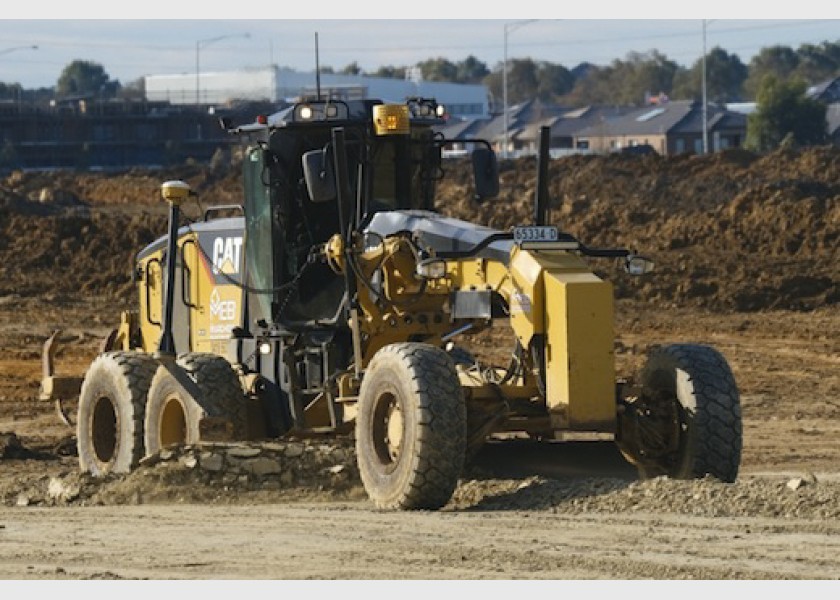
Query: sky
[{"x": 154, "y": 38}]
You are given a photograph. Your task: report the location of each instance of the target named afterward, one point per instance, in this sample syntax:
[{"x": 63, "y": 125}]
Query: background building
[{"x": 280, "y": 86}]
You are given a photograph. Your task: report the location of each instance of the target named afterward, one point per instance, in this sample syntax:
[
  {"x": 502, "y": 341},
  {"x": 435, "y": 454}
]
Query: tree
[
  {"x": 554, "y": 81},
  {"x": 778, "y": 61},
  {"x": 390, "y": 72},
  {"x": 784, "y": 110},
  {"x": 438, "y": 69},
  {"x": 84, "y": 78},
  {"x": 352, "y": 69},
  {"x": 522, "y": 81},
  {"x": 818, "y": 63},
  {"x": 471, "y": 70},
  {"x": 725, "y": 76},
  {"x": 626, "y": 82},
  {"x": 134, "y": 90}
]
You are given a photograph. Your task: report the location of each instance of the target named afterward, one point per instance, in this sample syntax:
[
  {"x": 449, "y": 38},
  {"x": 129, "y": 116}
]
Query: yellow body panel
[
  {"x": 216, "y": 306},
  {"x": 580, "y": 368}
]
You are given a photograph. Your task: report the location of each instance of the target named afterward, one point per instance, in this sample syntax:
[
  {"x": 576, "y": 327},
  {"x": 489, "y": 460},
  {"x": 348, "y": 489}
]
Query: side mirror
[
  {"x": 318, "y": 173},
  {"x": 485, "y": 173}
]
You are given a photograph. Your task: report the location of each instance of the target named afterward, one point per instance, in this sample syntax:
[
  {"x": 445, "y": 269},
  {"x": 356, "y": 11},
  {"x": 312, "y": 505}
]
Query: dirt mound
[
  {"x": 316, "y": 471},
  {"x": 208, "y": 473},
  {"x": 728, "y": 231}
]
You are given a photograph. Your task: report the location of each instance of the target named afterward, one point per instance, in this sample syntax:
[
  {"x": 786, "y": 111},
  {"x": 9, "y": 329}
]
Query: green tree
[
  {"x": 554, "y": 81},
  {"x": 522, "y": 81},
  {"x": 818, "y": 63},
  {"x": 82, "y": 78},
  {"x": 438, "y": 69},
  {"x": 390, "y": 72},
  {"x": 471, "y": 70},
  {"x": 352, "y": 69},
  {"x": 778, "y": 61},
  {"x": 134, "y": 90},
  {"x": 783, "y": 110},
  {"x": 725, "y": 76},
  {"x": 626, "y": 82}
]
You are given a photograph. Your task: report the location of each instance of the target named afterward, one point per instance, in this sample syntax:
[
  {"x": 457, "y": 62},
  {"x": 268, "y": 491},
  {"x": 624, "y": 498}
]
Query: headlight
[{"x": 638, "y": 265}]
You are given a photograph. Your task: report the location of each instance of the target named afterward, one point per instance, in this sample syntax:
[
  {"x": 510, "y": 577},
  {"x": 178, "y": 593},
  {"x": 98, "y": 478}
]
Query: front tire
[
  {"x": 112, "y": 402},
  {"x": 196, "y": 398},
  {"x": 411, "y": 428},
  {"x": 686, "y": 422}
]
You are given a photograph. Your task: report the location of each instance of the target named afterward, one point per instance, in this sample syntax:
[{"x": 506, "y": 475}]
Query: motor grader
[{"x": 339, "y": 301}]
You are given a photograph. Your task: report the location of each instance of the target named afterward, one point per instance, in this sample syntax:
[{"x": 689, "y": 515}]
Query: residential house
[
  {"x": 674, "y": 127},
  {"x": 524, "y": 127},
  {"x": 827, "y": 92}
]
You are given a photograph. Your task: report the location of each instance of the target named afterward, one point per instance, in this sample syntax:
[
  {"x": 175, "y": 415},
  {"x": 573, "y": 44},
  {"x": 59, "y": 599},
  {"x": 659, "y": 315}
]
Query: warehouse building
[{"x": 282, "y": 85}]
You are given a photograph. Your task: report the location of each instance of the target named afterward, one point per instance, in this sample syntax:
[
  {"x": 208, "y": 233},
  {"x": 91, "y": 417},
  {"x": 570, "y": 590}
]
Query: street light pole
[
  {"x": 705, "y": 105},
  {"x": 198, "y": 45},
  {"x": 509, "y": 27}
]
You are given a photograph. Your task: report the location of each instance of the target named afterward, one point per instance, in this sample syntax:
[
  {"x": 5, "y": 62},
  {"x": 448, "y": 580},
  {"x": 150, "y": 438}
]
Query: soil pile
[
  {"x": 728, "y": 231},
  {"x": 326, "y": 470}
]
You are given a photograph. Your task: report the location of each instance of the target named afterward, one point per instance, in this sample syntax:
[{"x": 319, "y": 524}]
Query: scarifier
[{"x": 338, "y": 303}]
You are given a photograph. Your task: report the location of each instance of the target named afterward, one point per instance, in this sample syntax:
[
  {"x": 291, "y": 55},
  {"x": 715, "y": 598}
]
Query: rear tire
[
  {"x": 411, "y": 428},
  {"x": 687, "y": 420},
  {"x": 196, "y": 398},
  {"x": 112, "y": 401}
]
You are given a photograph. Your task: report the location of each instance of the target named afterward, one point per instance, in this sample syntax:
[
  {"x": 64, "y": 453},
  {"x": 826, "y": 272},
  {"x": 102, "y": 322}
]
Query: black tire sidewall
[
  {"x": 690, "y": 369},
  {"x": 382, "y": 481},
  {"x": 107, "y": 378},
  {"x": 166, "y": 387}
]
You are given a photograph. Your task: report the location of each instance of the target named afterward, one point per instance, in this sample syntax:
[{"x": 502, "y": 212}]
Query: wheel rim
[
  {"x": 104, "y": 429},
  {"x": 388, "y": 430},
  {"x": 659, "y": 425},
  {"x": 173, "y": 422}
]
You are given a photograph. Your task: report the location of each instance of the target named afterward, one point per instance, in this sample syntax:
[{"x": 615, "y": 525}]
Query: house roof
[
  {"x": 827, "y": 91},
  {"x": 675, "y": 116},
  {"x": 525, "y": 120}
]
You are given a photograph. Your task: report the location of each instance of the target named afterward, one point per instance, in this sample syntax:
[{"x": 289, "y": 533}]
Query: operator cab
[{"x": 292, "y": 201}]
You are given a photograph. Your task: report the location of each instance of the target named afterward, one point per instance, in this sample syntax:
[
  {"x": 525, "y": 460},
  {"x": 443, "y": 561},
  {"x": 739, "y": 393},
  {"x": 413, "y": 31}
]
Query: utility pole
[
  {"x": 509, "y": 27},
  {"x": 705, "y": 101}
]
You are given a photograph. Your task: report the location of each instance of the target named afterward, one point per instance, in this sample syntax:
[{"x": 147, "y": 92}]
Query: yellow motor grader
[{"x": 337, "y": 302}]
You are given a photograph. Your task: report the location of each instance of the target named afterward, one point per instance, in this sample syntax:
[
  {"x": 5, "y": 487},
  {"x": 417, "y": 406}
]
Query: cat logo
[{"x": 226, "y": 255}]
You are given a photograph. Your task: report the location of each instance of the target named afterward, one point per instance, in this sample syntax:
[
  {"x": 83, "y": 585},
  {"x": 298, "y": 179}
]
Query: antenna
[{"x": 317, "y": 69}]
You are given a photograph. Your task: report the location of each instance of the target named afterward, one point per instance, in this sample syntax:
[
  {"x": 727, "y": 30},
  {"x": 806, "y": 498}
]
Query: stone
[
  {"x": 243, "y": 452},
  {"x": 212, "y": 462},
  {"x": 294, "y": 450},
  {"x": 63, "y": 491},
  {"x": 189, "y": 461},
  {"x": 261, "y": 466},
  {"x": 796, "y": 483}
]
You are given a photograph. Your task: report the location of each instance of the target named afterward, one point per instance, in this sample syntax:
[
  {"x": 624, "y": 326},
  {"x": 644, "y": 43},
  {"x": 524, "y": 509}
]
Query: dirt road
[{"x": 349, "y": 541}]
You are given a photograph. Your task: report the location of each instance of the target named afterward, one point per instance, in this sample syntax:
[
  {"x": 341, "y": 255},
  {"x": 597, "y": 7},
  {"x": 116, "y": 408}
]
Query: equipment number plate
[{"x": 536, "y": 233}]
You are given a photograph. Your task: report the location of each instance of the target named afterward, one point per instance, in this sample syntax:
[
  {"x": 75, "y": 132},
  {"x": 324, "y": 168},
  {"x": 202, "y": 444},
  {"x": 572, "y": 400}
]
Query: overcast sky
[{"x": 152, "y": 39}]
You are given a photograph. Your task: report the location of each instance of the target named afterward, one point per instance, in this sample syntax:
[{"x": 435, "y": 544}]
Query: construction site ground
[{"x": 747, "y": 258}]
